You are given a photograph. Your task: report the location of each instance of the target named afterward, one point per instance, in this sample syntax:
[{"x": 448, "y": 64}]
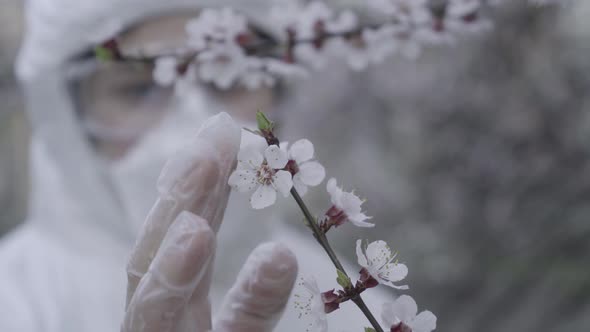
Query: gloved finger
[
  {"x": 178, "y": 267},
  {"x": 195, "y": 179},
  {"x": 197, "y": 312},
  {"x": 258, "y": 298},
  {"x": 219, "y": 138}
]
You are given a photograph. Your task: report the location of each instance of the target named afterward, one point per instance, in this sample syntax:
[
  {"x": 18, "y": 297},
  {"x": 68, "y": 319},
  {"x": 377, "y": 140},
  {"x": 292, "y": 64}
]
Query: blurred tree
[{"x": 475, "y": 160}]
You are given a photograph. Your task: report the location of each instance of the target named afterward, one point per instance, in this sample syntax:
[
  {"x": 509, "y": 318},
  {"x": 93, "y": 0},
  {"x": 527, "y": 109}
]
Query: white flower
[
  {"x": 306, "y": 172},
  {"x": 261, "y": 171},
  {"x": 377, "y": 44},
  {"x": 400, "y": 315},
  {"x": 165, "y": 70},
  {"x": 412, "y": 27},
  {"x": 311, "y": 56},
  {"x": 215, "y": 26},
  {"x": 311, "y": 304},
  {"x": 378, "y": 260},
  {"x": 308, "y": 20},
  {"x": 346, "y": 206},
  {"x": 214, "y": 33},
  {"x": 255, "y": 74},
  {"x": 222, "y": 64},
  {"x": 221, "y": 60}
]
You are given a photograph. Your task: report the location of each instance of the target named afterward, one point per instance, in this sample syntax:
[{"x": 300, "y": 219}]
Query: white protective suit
[{"x": 64, "y": 268}]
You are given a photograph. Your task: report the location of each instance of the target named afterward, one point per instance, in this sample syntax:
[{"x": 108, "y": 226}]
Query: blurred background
[{"x": 474, "y": 160}]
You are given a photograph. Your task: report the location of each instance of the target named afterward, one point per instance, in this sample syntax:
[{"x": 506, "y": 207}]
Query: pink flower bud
[{"x": 331, "y": 301}]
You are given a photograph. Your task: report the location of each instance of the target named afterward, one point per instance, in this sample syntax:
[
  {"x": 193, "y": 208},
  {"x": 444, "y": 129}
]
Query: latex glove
[{"x": 169, "y": 273}]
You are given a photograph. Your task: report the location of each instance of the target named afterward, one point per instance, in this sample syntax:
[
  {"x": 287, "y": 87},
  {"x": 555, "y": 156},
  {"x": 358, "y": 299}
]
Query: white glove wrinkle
[
  {"x": 178, "y": 267},
  {"x": 259, "y": 296}
]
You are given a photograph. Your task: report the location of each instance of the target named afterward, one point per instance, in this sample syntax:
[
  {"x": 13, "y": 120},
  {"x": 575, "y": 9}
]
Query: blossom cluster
[
  {"x": 378, "y": 267},
  {"x": 266, "y": 167},
  {"x": 217, "y": 53},
  {"x": 223, "y": 49}
]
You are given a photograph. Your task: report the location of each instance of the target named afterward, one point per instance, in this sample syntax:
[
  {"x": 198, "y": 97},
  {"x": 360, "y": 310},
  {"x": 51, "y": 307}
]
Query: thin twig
[
  {"x": 323, "y": 241},
  {"x": 320, "y": 237}
]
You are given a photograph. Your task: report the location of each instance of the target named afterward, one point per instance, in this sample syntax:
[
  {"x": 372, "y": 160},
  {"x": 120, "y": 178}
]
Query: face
[{"x": 120, "y": 102}]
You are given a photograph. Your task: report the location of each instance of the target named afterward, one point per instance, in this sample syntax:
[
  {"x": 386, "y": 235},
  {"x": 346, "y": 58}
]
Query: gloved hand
[{"x": 169, "y": 273}]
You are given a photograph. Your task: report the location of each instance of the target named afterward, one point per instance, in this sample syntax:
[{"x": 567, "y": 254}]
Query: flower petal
[
  {"x": 312, "y": 304},
  {"x": 263, "y": 197},
  {"x": 275, "y": 157},
  {"x": 250, "y": 140},
  {"x": 397, "y": 272},
  {"x": 360, "y": 255},
  {"x": 312, "y": 173},
  {"x": 388, "y": 315},
  {"x": 301, "y": 151},
  {"x": 424, "y": 322},
  {"x": 283, "y": 182},
  {"x": 404, "y": 308},
  {"x": 316, "y": 302},
  {"x": 359, "y": 220},
  {"x": 351, "y": 204},
  {"x": 402, "y": 287},
  {"x": 331, "y": 186},
  {"x": 250, "y": 157},
  {"x": 334, "y": 191},
  {"x": 243, "y": 180},
  {"x": 391, "y": 273},
  {"x": 165, "y": 70},
  {"x": 321, "y": 323},
  {"x": 285, "y": 147},
  {"x": 311, "y": 285},
  {"x": 379, "y": 253},
  {"x": 299, "y": 185}
]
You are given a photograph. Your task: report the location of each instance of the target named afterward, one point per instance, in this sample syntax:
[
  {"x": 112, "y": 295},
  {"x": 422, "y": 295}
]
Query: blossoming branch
[
  {"x": 224, "y": 49},
  {"x": 272, "y": 167}
]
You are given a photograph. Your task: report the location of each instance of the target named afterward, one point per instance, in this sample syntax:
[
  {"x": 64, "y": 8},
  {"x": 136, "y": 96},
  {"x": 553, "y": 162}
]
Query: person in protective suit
[{"x": 109, "y": 147}]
